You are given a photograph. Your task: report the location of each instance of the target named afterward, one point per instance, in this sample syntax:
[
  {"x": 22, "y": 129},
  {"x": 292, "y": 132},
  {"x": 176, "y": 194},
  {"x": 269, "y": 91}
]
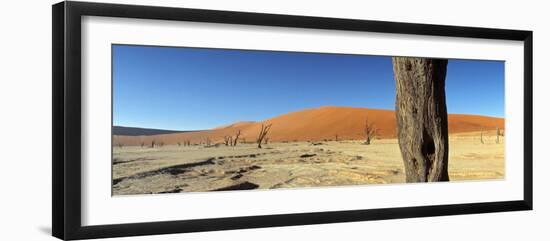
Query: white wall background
[{"x": 25, "y": 120}]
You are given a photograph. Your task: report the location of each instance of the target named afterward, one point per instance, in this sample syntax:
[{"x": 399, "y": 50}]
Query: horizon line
[{"x": 259, "y": 121}]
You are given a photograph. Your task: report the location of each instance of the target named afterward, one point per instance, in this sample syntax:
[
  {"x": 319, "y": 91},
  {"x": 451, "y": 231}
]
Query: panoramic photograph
[{"x": 188, "y": 119}]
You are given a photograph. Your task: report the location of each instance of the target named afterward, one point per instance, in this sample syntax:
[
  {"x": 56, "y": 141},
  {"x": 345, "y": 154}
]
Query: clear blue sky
[{"x": 194, "y": 88}]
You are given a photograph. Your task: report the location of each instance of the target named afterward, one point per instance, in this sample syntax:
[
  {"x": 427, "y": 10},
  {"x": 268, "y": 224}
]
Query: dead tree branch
[
  {"x": 236, "y": 137},
  {"x": 370, "y": 132},
  {"x": 263, "y": 134}
]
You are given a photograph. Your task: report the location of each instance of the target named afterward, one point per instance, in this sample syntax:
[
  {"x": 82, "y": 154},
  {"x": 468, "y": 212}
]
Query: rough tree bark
[{"x": 422, "y": 117}]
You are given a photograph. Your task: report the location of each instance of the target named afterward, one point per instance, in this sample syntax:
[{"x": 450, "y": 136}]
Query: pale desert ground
[{"x": 173, "y": 168}]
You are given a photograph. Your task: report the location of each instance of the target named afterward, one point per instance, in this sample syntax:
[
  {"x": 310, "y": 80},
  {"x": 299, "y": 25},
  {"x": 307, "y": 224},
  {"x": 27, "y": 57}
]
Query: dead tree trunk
[
  {"x": 370, "y": 129},
  {"x": 236, "y": 137},
  {"x": 498, "y": 135},
  {"x": 421, "y": 112},
  {"x": 263, "y": 133},
  {"x": 481, "y": 136}
]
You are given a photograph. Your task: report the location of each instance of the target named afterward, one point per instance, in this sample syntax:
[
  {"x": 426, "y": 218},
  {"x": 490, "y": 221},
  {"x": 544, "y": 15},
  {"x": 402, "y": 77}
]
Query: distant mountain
[
  {"x": 135, "y": 131},
  {"x": 319, "y": 124}
]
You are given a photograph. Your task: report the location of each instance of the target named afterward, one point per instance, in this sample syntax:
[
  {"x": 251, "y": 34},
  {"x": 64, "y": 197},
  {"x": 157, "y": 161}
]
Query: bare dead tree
[
  {"x": 208, "y": 142},
  {"x": 498, "y": 135},
  {"x": 336, "y": 137},
  {"x": 153, "y": 144},
  {"x": 263, "y": 132},
  {"x": 236, "y": 137},
  {"x": 481, "y": 136},
  {"x": 421, "y": 113},
  {"x": 370, "y": 130},
  {"x": 226, "y": 140}
]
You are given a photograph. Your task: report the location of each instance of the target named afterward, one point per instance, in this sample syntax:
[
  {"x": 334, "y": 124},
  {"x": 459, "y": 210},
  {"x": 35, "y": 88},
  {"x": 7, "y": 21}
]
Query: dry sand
[
  {"x": 174, "y": 168},
  {"x": 314, "y": 125}
]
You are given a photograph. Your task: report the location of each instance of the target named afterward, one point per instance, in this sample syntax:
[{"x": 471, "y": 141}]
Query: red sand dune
[{"x": 315, "y": 124}]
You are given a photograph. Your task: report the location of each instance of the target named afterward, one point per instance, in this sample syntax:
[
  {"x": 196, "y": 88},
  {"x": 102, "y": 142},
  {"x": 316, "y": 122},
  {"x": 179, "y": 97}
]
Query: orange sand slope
[{"x": 317, "y": 124}]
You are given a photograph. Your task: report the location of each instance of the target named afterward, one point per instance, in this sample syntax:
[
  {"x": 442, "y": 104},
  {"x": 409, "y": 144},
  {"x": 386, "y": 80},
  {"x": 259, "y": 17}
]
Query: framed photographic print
[{"x": 169, "y": 120}]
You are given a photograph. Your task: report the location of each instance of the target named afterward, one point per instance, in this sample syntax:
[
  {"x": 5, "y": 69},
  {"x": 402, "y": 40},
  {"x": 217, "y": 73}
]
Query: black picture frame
[{"x": 66, "y": 127}]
